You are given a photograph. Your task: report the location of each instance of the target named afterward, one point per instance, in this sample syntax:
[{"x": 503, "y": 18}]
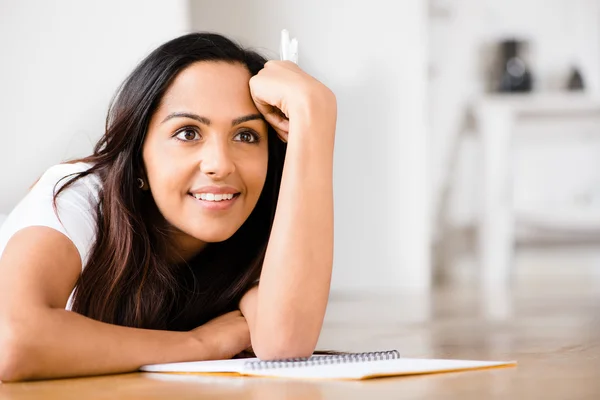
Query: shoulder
[
  {"x": 61, "y": 174},
  {"x": 75, "y": 212}
]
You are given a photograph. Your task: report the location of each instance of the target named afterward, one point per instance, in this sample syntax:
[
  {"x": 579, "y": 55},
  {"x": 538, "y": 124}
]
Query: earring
[{"x": 141, "y": 183}]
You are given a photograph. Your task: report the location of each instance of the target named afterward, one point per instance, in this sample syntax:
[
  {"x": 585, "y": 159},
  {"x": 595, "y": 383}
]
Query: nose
[{"x": 215, "y": 159}]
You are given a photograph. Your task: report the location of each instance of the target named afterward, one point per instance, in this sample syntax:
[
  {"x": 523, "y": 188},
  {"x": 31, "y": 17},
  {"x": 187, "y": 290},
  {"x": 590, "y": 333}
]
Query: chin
[{"x": 213, "y": 237}]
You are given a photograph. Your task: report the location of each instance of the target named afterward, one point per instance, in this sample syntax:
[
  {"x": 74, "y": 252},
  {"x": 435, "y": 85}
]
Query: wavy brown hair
[{"x": 128, "y": 279}]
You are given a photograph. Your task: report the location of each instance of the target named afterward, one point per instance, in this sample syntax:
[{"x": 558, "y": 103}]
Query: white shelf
[
  {"x": 563, "y": 219},
  {"x": 541, "y": 102}
]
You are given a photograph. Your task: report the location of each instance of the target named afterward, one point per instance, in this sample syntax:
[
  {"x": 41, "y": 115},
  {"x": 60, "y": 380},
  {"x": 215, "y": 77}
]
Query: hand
[
  {"x": 248, "y": 353},
  {"x": 283, "y": 92},
  {"x": 224, "y": 337}
]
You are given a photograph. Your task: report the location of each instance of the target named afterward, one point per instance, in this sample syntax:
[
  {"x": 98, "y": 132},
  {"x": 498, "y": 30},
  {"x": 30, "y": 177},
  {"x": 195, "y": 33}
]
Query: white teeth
[{"x": 212, "y": 196}]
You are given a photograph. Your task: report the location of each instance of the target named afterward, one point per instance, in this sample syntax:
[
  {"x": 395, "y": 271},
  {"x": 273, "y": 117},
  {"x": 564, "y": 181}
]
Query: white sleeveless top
[{"x": 76, "y": 207}]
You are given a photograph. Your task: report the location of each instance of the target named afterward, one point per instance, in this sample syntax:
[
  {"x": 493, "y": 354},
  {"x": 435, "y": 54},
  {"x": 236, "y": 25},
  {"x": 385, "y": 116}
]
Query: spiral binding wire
[{"x": 323, "y": 360}]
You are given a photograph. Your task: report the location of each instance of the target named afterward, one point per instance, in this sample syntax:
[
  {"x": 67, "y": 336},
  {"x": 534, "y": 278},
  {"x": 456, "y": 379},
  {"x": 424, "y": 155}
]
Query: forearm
[
  {"x": 56, "y": 343},
  {"x": 292, "y": 295}
]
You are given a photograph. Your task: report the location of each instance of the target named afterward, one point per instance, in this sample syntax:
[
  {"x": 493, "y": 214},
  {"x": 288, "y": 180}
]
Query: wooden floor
[{"x": 549, "y": 324}]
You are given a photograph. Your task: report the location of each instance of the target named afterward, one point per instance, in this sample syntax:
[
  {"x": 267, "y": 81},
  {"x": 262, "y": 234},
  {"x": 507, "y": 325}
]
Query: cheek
[
  {"x": 258, "y": 174},
  {"x": 163, "y": 172}
]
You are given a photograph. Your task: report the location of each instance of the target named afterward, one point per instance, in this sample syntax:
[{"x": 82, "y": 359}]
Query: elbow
[
  {"x": 269, "y": 351},
  {"x": 12, "y": 355},
  {"x": 269, "y": 348}
]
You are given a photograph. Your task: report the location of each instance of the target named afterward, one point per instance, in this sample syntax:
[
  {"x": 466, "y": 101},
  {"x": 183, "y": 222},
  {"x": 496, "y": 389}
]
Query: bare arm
[
  {"x": 39, "y": 339},
  {"x": 285, "y": 312}
]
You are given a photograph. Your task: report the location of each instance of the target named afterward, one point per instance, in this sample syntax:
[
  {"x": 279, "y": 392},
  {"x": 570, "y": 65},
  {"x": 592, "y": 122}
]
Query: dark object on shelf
[
  {"x": 575, "y": 80},
  {"x": 514, "y": 73}
]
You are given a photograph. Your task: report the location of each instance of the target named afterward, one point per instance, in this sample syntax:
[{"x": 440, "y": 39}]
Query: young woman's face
[{"x": 206, "y": 154}]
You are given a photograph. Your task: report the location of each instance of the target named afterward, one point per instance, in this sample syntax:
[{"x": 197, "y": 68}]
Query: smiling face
[{"x": 206, "y": 154}]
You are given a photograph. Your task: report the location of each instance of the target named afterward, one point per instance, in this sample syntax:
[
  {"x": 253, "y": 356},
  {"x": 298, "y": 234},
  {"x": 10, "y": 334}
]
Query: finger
[
  {"x": 282, "y": 134},
  {"x": 231, "y": 315},
  {"x": 280, "y": 124},
  {"x": 276, "y": 118},
  {"x": 282, "y": 63}
]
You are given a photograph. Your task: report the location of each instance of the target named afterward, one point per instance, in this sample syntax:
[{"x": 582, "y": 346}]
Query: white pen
[{"x": 288, "y": 50}]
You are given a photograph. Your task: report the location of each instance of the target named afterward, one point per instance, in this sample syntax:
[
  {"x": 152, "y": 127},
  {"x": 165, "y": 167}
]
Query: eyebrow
[{"x": 206, "y": 121}]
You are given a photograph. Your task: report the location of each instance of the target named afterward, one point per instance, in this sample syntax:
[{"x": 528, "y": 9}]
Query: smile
[
  {"x": 215, "y": 202},
  {"x": 214, "y": 197}
]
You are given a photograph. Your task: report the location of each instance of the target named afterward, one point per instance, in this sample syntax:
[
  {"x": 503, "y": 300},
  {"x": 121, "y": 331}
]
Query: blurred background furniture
[{"x": 528, "y": 187}]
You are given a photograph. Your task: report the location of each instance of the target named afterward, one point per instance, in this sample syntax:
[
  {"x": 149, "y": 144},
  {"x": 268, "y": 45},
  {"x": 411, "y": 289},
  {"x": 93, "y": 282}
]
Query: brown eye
[
  {"x": 248, "y": 137},
  {"x": 187, "y": 135}
]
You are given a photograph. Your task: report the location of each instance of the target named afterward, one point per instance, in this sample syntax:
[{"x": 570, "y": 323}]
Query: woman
[{"x": 214, "y": 174}]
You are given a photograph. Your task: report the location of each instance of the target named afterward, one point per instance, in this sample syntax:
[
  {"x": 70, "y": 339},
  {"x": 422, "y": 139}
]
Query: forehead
[{"x": 212, "y": 89}]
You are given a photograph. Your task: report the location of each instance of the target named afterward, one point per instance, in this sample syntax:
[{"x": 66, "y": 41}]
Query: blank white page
[{"x": 234, "y": 365}]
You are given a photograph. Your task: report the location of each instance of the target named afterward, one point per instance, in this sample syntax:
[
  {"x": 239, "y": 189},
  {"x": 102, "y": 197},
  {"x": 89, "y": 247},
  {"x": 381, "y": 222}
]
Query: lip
[{"x": 215, "y": 190}]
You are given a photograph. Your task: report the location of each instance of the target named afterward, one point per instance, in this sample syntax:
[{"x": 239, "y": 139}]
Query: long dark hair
[{"x": 128, "y": 279}]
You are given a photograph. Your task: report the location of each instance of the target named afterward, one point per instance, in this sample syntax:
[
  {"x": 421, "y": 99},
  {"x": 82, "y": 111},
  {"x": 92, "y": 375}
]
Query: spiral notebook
[{"x": 339, "y": 366}]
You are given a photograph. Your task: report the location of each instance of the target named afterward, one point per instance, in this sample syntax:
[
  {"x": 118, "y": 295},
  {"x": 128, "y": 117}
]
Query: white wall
[
  {"x": 373, "y": 55},
  {"x": 560, "y": 33},
  {"x": 61, "y": 62}
]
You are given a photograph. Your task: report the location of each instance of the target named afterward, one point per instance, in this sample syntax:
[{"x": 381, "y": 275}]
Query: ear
[{"x": 142, "y": 177}]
